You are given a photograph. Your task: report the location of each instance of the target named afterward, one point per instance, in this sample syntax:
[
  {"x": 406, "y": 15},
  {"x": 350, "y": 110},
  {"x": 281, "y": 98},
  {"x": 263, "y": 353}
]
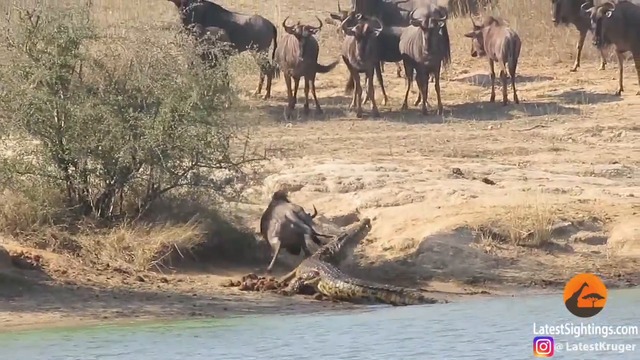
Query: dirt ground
[{"x": 568, "y": 156}]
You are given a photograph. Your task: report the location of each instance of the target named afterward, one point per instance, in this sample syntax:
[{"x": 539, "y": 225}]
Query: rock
[
  {"x": 5, "y": 259},
  {"x": 624, "y": 240},
  {"x": 228, "y": 283}
]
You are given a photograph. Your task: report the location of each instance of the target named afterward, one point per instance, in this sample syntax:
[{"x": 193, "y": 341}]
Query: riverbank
[{"x": 60, "y": 291}]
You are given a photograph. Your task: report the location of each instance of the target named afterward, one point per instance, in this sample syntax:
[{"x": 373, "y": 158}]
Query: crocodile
[{"x": 320, "y": 272}]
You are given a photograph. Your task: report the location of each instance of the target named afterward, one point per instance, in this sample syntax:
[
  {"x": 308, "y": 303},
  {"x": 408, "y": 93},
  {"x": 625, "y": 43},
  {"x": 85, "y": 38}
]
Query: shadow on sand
[
  {"x": 484, "y": 80},
  {"x": 480, "y": 111},
  {"x": 586, "y": 97},
  {"x": 332, "y": 107}
]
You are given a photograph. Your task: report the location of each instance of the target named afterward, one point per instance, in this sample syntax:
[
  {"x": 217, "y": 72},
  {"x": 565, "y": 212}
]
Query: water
[{"x": 475, "y": 329}]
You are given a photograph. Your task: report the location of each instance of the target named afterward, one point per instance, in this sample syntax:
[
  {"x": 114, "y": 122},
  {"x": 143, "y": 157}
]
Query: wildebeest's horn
[
  {"x": 609, "y": 6},
  {"x": 379, "y": 27},
  {"x": 339, "y": 10},
  {"x": 411, "y": 15},
  {"x": 284, "y": 23},
  {"x": 315, "y": 212},
  {"x": 320, "y": 21}
]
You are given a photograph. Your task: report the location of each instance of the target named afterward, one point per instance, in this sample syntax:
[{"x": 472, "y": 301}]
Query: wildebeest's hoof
[
  {"x": 359, "y": 114},
  {"x": 493, "y": 99},
  {"x": 319, "y": 111},
  {"x": 516, "y": 100},
  {"x": 375, "y": 113},
  {"x": 404, "y": 107},
  {"x": 619, "y": 92},
  {"x": 306, "y": 110},
  {"x": 266, "y": 97}
]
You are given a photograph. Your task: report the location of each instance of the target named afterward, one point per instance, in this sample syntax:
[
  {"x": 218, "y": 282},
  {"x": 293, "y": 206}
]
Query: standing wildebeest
[
  {"x": 284, "y": 224},
  {"x": 388, "y": 51},
  {"x": 390, "y": 13},
  {"x": 565, "y": 12},
  {"x": 244, "y": 31},
  {"x": 360, "y": 55},
  {"x": 297, "y": 56},
  {"x": 617, "y": 24},
  {"x": 501, "y": 44},
  {"x": 425, "y": 47}
]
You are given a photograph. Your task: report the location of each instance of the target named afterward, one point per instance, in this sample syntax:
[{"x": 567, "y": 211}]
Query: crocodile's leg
[{"x": 294, "y": 286}]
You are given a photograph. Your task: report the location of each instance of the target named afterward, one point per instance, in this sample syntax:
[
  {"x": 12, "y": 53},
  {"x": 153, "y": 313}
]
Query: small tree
[{"x": 113, "y": 123}]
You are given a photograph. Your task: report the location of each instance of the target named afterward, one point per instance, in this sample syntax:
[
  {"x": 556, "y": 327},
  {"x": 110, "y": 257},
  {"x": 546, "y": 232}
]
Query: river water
[{"x": 499, "y": 328}]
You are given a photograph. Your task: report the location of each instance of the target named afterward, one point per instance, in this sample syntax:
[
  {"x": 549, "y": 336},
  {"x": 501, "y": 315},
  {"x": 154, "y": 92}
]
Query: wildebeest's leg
[
  {"x": 419, "y": 98},
  {"x": 276, "y": 250},
  {"x": 422, "y": 79},
  {"x": 318, "y": 109},
  {"x": 503, "y": 79},
  {"x": 408, "y": 72},
  {"x": 306, "y": 95},
  {"x": 583, "y": 35},
  {"x": 290, "y": 99},
  {"x": 620, "y": 70},
  {"x": 260, "y": 83},
  {"x": 378, "y": 72},
  {"x": 357, "y": 94},
  {"x": 398, "y": 70},
  {"x": 349, "y": 85},
  {"x": 436, "y": 76},
  {"x": 636, "y": 61},
  {"x": 296, "y": 84},
  {"x": 603, "y": 60},
  {"x": 512, "y": 73},
  {"x": 267, "y": 94},
  {"x": 492, "y": 74},
  {"x": 372, "y": 94}
]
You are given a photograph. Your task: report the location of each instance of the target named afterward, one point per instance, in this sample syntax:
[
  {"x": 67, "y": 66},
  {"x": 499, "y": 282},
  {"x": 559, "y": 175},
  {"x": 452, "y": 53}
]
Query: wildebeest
[
  {"x": 297, "y": 56},
  {"x": 284, "y": 224},
  {"x": 566, "y": 12},
  {"x": 425, "y": 47},
  {"x": 244, "y": 31},
  {"x": 501, "y": 44},
  {"x": 360, "y": 55},
  {"x": 617, "y": 24},
  {"x": 388, "y": 51}
]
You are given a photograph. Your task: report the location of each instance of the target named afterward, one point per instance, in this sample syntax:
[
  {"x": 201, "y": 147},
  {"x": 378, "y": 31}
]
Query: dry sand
[{"x": 570, "y": 152}]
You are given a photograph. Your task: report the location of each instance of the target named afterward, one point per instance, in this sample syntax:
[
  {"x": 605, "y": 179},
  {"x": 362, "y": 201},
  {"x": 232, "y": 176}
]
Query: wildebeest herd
[{"x": 413, "y": 32}]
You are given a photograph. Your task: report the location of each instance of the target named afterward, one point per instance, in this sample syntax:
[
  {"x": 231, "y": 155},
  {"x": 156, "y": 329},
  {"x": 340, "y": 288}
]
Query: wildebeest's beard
[
  {"x": 598, "y": 33},
  {"x": 361, "y": 42}
]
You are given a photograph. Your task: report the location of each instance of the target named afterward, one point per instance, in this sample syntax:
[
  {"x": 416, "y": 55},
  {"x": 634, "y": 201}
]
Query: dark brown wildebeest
[
  {"x": 425, "y": 47},
  {"x": 246, "y": 32},
  {"x": 566, "y": 12},
  {"x": 501, "y": 44},
  {"x": 617, "y": 24},
  {"x": 360, "y": 55},
  {"x": 297, "y": 56},
  {"x": 284, "y": 224}
]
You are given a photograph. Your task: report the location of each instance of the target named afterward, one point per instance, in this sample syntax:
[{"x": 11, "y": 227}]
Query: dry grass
[{"x": 143, "y": 247}]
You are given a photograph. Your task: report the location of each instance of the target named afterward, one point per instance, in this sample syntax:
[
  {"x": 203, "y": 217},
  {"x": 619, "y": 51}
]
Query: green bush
[{"x": 110, "y": 125}]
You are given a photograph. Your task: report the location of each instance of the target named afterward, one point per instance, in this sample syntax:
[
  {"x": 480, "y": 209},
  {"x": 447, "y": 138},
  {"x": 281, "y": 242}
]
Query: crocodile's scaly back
[
  {"x": 338, "y": 249},
  {"x": 335, "y": 284},
  {"x": 334, "y": 251}
]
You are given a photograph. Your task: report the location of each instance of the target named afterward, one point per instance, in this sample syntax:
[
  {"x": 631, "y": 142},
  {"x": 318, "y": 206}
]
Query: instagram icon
[{"x": 543, "y": 346}]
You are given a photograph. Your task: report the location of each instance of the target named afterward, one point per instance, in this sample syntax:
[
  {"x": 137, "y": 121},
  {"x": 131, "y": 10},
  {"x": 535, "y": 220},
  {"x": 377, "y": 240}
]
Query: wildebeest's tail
[
  {"x": 323, "y": 69},
  {"x": 512, "y": 48},
  {"x": 274, "y": 66}
]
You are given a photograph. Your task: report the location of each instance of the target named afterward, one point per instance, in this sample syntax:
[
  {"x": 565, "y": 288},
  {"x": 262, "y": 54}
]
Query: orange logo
[{"x": 585, "y": 295}]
